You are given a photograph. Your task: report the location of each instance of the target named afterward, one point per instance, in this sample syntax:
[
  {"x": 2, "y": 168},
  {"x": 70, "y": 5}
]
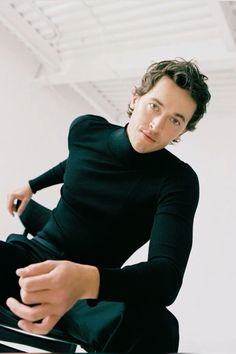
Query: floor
[{"x": 34, "y": 350}]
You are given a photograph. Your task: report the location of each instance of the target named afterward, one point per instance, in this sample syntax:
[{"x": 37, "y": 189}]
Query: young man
[{"x": 121, "y": 188}]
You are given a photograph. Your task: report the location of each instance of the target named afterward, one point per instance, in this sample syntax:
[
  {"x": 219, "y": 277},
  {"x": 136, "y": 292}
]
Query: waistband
[{"x": 40, "y": 248}]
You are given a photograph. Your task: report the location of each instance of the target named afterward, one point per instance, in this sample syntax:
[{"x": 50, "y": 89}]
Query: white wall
[
  {"x": 206, "y": 303},
  {"x": 34, "y": 127},
  {"x": 34, "y": 124}
]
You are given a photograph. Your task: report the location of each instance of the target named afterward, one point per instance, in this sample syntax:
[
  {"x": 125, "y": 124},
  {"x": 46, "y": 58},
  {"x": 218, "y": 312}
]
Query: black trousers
[
  {"x": 103, "y": 326},
  {"x": 115, "y": 327},
  {"x": 17, "y": 252}
]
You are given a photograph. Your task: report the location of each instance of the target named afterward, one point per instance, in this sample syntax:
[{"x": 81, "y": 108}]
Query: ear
[{"x": 134, "y": 97}]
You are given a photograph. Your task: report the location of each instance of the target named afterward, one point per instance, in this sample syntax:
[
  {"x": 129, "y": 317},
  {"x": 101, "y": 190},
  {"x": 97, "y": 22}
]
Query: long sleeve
[
  {"x": 113, "y": 201},
  {"x": 160, "y": 278},
  {"x": 51, "y": 177},
  {"x": 153, "y": 281}
]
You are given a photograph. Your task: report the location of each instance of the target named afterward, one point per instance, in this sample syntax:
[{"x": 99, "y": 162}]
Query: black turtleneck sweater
[{"x": 114, "y": 200}]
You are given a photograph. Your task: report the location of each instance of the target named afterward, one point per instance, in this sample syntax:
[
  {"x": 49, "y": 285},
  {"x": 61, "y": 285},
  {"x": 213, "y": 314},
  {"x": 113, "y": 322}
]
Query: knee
[{"x": 146, "y": 328}]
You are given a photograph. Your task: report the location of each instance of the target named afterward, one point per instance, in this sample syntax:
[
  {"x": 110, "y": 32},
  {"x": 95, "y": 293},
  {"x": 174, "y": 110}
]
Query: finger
[
  {"x": 29, "y": 313},
  {"x": 36, "y": 269},
  {"x": 37, "y": 276},
  {"x": 39, "y": 328},
  {"x": 10, "y": 203},
  {"x": 36, "y": 283},
  {"x": 38, "y": 297}
]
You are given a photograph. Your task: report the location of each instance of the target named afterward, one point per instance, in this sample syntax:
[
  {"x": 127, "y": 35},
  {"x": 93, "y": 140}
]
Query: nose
[{"x": 157, "y": 123}]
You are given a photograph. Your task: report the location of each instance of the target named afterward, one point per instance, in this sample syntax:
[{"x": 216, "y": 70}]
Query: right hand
[{"x": 23, "y": 194}]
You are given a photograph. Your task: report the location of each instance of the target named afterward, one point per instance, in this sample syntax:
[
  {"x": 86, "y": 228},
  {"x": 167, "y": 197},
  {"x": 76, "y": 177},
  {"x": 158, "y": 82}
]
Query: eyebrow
[{"x": 175, "y": 114}]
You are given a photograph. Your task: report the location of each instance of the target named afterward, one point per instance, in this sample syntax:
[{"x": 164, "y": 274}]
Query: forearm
[
  {"x": 157, "y": 281},
  {"x": 51, "y": 177}
]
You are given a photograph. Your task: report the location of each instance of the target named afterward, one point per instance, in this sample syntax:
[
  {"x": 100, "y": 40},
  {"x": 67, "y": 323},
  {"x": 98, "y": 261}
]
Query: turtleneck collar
[{"x": 121, "y": 147}]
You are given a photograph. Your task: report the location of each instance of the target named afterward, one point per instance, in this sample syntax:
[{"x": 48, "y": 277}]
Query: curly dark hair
[{"x": 186, "y": 75}]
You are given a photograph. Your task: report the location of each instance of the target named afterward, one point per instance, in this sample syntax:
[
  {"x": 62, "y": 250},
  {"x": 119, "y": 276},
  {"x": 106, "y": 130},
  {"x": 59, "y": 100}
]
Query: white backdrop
[{"x": 33, "y": 138}]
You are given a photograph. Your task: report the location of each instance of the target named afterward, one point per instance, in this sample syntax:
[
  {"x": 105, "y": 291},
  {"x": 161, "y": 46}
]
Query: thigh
[
  {"x": 11, "y": 257},
  {"x": 92, "y": 323},
  {"x": 125, "y": 328}
]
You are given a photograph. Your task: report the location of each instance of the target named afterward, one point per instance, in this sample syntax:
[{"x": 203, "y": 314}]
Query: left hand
[{"x": 52, "y": 287}]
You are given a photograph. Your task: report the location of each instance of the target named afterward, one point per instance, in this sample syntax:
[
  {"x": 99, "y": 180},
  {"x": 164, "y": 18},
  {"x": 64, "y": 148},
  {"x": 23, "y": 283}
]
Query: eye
[
  {"x": 175, "y": 121},
  {"x": 153, "y": 106}
]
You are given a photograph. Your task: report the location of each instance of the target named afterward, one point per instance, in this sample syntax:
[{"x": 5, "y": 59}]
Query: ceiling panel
[{"x": 103, "y": 46}]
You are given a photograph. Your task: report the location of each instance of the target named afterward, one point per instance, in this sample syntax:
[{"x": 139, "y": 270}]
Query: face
[{"x": 159, "y": 116}]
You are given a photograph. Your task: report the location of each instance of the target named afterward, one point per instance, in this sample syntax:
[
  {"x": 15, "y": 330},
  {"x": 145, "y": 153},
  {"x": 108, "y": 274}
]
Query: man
[{"x": 121, "y": 188}]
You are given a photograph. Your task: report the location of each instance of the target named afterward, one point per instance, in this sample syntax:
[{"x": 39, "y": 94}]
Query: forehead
[
  {"x": 165, "y": 85},
  {"x": 173, "y": 97}
]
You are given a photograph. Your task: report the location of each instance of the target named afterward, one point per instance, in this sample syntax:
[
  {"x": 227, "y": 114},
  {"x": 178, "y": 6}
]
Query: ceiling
[{"x": 101, "y": 48}]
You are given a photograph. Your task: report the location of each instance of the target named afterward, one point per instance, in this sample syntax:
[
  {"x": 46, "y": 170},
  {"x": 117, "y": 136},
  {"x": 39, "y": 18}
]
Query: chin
[
  {"x": 140, "y": 149},
  {"x": 143, "y": 150}
]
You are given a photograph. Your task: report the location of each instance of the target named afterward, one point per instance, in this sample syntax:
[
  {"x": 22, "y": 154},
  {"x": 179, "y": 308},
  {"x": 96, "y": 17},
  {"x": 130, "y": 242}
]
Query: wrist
[{"x": 92, "y": 281}]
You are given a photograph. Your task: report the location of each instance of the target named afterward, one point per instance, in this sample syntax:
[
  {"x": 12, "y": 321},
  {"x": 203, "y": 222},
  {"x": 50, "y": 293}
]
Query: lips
[{"x": 148, "y": 135}]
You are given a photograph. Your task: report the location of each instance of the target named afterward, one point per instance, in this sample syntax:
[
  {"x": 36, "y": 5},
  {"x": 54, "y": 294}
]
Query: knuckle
[
  {"x": 32, "y": 314},
  {"x": 25, "y": 284},
  {"x": 49, "y": 262},
  {"x": 44, "y": 330},
  {"x": 25, "y": 296}
]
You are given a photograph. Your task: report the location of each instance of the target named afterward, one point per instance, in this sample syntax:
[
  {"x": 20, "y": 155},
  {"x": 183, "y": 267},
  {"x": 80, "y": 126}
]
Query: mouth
[{"x": 148, "y": 136}]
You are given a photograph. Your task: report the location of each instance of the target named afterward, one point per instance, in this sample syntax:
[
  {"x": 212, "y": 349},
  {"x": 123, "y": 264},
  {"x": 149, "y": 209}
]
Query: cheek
[{"x": 139, "y": 108}]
